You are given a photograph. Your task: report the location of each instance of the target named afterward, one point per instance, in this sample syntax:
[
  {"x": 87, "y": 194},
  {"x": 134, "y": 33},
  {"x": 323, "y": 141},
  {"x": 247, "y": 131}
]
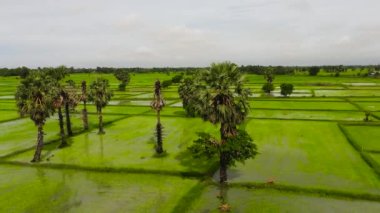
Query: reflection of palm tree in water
[
  {"x": 86, "y": 146},
  {"x": 223, "y": 191},
  {"x": 101, "y": 147},
  {"x": 41, "y": 175},
  {"x": 63, "y": 195},
  {"x": 161, "y": 192}
]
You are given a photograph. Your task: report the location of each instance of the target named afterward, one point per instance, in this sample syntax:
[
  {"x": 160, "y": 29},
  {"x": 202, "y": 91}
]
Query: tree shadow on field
[
  {"x": 232, "y": 174},
  {"x": 50, "y": 148},
  {"x": 199, "y": 164},
  {"x": 180, "y": 113}
]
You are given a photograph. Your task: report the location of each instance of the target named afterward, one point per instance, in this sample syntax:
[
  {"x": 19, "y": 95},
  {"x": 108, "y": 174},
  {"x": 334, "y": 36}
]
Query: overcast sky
[{"x": 129, "y": 33}]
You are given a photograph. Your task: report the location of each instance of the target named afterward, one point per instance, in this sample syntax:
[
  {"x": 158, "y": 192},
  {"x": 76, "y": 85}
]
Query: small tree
[
  {"x": 286, "y": 89},
  {"x": 366, "y": 114},
  {"x": 269, "y": 77},
  {"x": 177, "y": 78},
  {"x": 123, "y": 77},
  {"x": 166, "y": 83},
  {"x": 100, "y": 94},
  {"x": 157, "y": 104},
  {"x": 23, "y": 72},
  {"x": 35, "y": 96},
  {"x": 84, "y": 110},
  {"x": 267, "y": 88},
  {"x": 313, "y": 71}
]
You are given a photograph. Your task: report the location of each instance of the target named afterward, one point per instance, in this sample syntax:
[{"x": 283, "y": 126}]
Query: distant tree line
[
  {"x": 22, "y": 71},
  {"x": 335, "y": 70},
  {"x": 312, "y": 70}
]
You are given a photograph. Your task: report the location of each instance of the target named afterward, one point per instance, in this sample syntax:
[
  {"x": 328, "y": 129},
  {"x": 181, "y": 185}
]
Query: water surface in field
[
  {"x": 26, "y": 189},
  {"x": 361, "y": 84}
]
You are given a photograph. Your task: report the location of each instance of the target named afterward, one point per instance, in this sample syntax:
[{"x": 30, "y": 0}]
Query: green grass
[
  {"x": 279, "y": 104},
  {"x": 300, "y": 99},
  {"x": 129, "y": 144},
  {"x": 370, "y": 106},
  {"x": 6, "y": 115},
  {"x": 311, "y": 80},
  {"x": 376, "y": 158},
  {"x": 170, "y": 111},
  {"x": 21, "y": 134},
  {"x": 118, "y": 110},
  {"x": 367, "y": 138},
  {"x": 345, "y": 93},
  {"x": 357, "y": 99},
  {"x": 39, "y": 190},
  {"x": 313, "y": 165},
  {"x": 307, "y": 115},
  {"x": 8, "y": 105},
  {"x": 269, "y": 200},
  {"x": 292, "y": 153}
]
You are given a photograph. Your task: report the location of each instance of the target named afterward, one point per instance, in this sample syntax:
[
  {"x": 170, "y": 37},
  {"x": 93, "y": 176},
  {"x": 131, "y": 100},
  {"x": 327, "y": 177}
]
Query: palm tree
[
  {"x": 221, "y": 99},
  {"x": 58, "y": 102},
  {"x": 70, "y": 100},
  {"x": 35, "y": 96},
  {"x": 187, "y": 91},
  {"x": 157, "y": 104},
  {"x": 84, "y": 111},
  {"x": 100, "y": 94}
]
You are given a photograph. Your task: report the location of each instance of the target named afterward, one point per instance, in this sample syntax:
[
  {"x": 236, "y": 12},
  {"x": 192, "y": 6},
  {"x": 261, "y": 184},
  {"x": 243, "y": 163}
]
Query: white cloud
[{"x": 188, "y": 33}]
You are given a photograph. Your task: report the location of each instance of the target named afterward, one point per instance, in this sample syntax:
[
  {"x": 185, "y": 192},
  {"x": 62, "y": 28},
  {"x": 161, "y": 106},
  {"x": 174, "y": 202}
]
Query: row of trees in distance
[{"x": 252, "y": 69}]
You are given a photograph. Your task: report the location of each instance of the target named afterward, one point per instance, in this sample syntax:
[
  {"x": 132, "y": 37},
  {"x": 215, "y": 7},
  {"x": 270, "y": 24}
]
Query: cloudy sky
[{"x": 90, "y": 33}]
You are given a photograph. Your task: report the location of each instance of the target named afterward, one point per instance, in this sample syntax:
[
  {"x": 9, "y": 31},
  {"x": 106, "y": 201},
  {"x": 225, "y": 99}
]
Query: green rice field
[{"x": 316, "y": 154}]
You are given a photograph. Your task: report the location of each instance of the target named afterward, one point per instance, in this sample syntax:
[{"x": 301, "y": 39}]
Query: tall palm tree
[
  {"x": 187, "y": 91},
  {"x": 100, "y": 94},
  {"x": 58, "y": 103},
  {"x": 157, "y": 104},
  {"x": 222, "y": 107},
  {"x": 35, "y": 96},
  {"x": 221, "y": 99},
  {"x": 84, "y": 111},
  {"x": 70, "y": 100}
]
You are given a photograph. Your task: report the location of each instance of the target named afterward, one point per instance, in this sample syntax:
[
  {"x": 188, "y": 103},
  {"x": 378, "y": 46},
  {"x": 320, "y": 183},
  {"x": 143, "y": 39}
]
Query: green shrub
[
  {"x": 166, "y": 83},
  {"x": 313, "y": 71},
  {"x": 286, "y": 89},
  {"x": 177, "y": 79},
  {"x": 268, "y": 88}
]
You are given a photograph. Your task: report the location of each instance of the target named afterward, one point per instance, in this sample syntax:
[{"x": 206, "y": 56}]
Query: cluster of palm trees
[
  {"x": 216, "y": 95},
  {"x": 41, "y": 94}
]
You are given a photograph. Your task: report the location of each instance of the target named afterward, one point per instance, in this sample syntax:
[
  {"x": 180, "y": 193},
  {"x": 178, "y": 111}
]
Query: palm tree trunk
[
  {"x": 223, "y": 161},
  {"x": 100, "y": 115},
  {"x": 84, "y": 116},
  {"x": 40, "y": 143},
  {"x": 61, "y": 127},
  {"x": 223, "y": 167},
  {"x": 68, "y": 122}
]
